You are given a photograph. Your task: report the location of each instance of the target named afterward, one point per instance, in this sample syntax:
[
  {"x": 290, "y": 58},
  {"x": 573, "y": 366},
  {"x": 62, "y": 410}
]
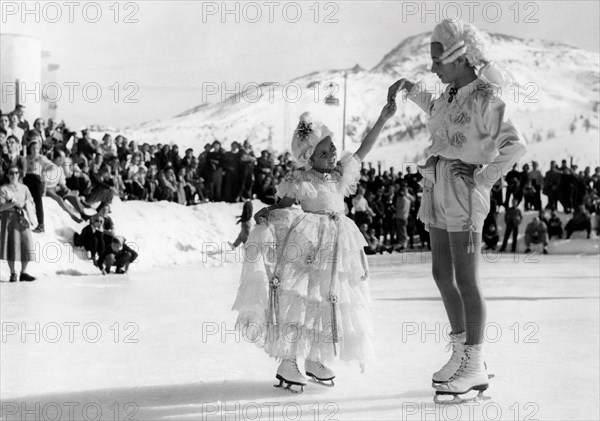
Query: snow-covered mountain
[{"x": 557, "y": 85}]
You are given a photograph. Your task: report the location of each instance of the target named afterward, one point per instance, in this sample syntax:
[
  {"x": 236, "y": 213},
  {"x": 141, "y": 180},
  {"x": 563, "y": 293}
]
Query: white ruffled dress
[{"x": 304, "y": 250}]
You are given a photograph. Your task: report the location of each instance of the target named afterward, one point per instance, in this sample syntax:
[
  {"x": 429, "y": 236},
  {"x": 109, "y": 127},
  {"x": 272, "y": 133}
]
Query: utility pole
[{"x": 344, "y": 115}]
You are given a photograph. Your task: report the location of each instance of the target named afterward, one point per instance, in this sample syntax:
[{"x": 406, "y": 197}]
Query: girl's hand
[
  {"x": 262, "y": 216},
  {"x": 464, "y": 171},
  {"x": 399, "y": 85},
  {"x": 388, "y": 110}
]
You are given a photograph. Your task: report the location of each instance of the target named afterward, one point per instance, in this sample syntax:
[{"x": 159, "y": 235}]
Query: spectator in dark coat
[
  {"x": 215, "y": 169},
  {"x": 581, "y": 221},
  {"x": 512, "y": 218},
  {"x": 117, "y": 254},
  {"x": 231, "y": 173},
  {"x": 91, "y": 238}
]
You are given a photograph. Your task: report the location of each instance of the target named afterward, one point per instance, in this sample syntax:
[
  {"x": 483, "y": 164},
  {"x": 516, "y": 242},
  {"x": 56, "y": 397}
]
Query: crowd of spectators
[{"x": 77, "y": 171}]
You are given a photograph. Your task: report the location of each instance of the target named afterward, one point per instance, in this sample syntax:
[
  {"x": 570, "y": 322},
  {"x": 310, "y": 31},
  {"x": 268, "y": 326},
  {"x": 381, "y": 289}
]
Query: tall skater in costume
[
  {"x": 304, "y": 293},
  {"x": 473, "y": 143}
]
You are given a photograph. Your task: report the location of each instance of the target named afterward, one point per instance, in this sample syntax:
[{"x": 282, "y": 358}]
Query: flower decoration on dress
[
  {"x": 332, "y": 298},
  {"x": 487, "y": 91},
  {"x": 304, "y": 130},
  {"x": 461, "y": 119},
  {"x": 458, "y": 139}
]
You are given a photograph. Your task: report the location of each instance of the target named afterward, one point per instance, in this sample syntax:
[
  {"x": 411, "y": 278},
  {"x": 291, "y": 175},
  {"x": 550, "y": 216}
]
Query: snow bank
[
  {"x": 167, "y": 234},
  {"x": 164, "y": 234}
]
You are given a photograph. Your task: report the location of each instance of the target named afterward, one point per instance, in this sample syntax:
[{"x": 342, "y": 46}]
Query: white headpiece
[
  {"x": 460, "y": 39},
  {"x": 307, "y": 136}
]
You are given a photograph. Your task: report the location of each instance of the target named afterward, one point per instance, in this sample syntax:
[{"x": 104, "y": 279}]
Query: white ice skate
[
  {"x": 471, "y": 375},
  {"x": 319, "y": 373},
  {"x": 457, "y": 343},
  {"x": 289, "y": 375}
]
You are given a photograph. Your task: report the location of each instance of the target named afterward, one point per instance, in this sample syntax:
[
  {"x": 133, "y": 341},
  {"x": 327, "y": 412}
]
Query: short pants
[{"x": 445, "y": 202}]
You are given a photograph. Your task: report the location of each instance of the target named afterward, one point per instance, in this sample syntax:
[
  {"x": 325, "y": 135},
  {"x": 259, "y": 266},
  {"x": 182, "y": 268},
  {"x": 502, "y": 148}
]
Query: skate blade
[
  {"x": 313, "y": 379},
  {"x": 457, "y": 399},
  {"x": 284, "y": 384}
]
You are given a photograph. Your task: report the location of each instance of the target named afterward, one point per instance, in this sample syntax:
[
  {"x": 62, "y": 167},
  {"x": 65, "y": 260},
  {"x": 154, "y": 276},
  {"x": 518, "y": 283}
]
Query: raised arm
[{"x": 368, "y": 142}]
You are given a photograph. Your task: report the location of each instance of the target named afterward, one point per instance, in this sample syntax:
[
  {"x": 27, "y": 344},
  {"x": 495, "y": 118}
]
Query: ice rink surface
[{"x": 162, "y": 346}]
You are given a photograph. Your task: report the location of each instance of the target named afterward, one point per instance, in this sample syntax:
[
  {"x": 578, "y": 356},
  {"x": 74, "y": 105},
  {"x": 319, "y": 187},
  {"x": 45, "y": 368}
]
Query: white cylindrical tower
[{"x": 21, "y": 60}]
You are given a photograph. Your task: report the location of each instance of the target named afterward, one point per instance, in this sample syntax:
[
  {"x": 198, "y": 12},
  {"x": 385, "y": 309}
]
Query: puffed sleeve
[
  {"x": 296, "y": 185},
  {"x": 421, "y": 97},
  {"x": 350, "y": 168},
  {"x": 506, "y": 139}
]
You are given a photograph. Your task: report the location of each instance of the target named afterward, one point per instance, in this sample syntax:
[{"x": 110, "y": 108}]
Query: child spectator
[
  {"x": 117, "y": 254},
  {"x": 245, "y": 219},
  {"x": 91, "y": 238},
  {"x": 554, "y": 226}
]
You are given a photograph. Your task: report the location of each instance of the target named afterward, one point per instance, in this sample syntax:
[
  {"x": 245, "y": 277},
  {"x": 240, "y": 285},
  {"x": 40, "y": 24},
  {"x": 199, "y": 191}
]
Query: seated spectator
[
  {"x": 3, "y": 146},
  {"x": 151, "y": 185},
  {"x": 536, "y": 232},
  {"x": 108, "y": 148},
  {"x": 136, "y": 187},
  {"x": 581, "y": 221},
  {"x": 56, "y": 188},
  {"x": 185, "y": 195},
  {"x": 103, "y": 189},
  {"x": 85, "y": 145},
  {"x": 76, "y": 177},
  {"x": 91, "y": 238},
  {"x": 375, "y": 244},
  {"x": 108, "y": 227},
  {"x": 554, "y": 226},
  {"x": 489, "y": 233},
  {"x": 167, "y": 184},
  {"x": 117, "y": 254}
]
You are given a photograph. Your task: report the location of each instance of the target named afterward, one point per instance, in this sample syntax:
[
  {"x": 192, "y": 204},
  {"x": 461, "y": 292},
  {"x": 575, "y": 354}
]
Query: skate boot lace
[
  {"x": 449, "y": 347},
  {"x": 463, "y": 364},
  {"x": 296, "y": 366}
]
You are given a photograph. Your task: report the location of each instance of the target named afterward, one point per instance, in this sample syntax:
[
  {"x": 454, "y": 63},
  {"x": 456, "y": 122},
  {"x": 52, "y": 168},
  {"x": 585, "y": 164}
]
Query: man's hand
[
  {"x": 399, "y": 85},
  {"x": 464, "y": 171}
]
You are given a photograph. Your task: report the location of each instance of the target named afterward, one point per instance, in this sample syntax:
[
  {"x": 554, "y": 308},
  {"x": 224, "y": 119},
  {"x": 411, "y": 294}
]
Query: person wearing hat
[
  {"x": 473, "y": 143},
  {"x": 317, "y": 283}
]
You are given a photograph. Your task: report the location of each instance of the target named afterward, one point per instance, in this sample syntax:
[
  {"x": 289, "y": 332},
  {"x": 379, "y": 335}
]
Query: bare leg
[
  {"x": 443, "y": 274},
  {"x": 466, "y": 268},
  {"x": 63, "y": 205}
]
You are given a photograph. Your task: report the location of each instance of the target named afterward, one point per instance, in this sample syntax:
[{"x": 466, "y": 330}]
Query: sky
[{"x": 155, "y": 59}]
